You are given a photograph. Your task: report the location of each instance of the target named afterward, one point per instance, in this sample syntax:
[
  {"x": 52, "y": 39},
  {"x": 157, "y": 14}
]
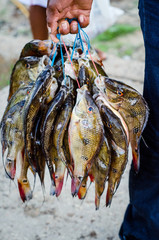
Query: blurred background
[{"x": 67, "y": 218}]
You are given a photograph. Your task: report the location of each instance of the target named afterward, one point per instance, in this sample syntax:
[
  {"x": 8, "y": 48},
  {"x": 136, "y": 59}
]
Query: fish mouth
[
  {"x": 10, "y": 168},
  {"x": 24, "y": 191},
  {"x": 59, "y": 185},
  {"x": 75, "y": 185}
]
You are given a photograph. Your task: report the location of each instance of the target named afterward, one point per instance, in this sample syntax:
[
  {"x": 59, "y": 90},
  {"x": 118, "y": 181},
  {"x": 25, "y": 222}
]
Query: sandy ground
[{"x": 66, "y": 217}]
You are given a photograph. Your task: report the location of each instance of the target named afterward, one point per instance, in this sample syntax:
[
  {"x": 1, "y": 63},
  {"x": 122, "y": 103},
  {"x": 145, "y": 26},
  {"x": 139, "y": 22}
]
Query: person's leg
[
  {"x": 141, "y": 221},
  {"x": 38, "y": 22}
]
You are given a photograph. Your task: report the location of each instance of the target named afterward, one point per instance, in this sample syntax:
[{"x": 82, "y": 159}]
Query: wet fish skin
[
  {"x": 59, "y": 171},
  {"x": 47, "y": 129},
  {"x": 117, "y": 138},
  {"x": 25, "y": 71},
  {"x": 132, "y": 107},
  {"x": 86, "y": 68},
  {"x": 100, "y": 170},
  {"x": 12, "y": 137},
  {"x": 39, "y": 94},
  {"x": 37, "y": 48},
  {"x": 85, "y": 132},
  {"x": 60, "y": 127},
  {"x": 39, "y": 158}
]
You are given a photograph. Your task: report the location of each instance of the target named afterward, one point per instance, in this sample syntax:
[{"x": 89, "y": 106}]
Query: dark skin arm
[{"x": 58, "y": 10}]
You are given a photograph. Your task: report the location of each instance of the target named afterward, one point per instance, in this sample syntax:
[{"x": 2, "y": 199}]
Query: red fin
[
  {"x": 91, "y": 177},
  {"x": 108, "y": 197},
  {"x": 136, "y": 161}
]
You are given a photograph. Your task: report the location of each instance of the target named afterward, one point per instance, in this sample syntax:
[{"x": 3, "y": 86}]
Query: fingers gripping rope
[{"x": 83, "y": 39}]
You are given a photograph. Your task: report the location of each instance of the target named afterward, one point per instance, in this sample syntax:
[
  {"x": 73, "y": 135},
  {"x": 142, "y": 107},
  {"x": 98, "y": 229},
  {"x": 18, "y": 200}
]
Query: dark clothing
[{"x": 141, "y": 221}]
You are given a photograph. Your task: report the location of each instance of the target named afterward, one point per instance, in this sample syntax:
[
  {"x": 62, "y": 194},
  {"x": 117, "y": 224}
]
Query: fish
[
  {"x": 59, "y": 171},
  {"x": 20, "y": 95},
  {"x": 37, "y": 48},
  {"x": 12, "y": 137},
  {"x": 85, "y": 135},
  {"x": 60, "y": 127},
  {"x": 100, "y": 170},
  {"x": 117, "y": 138},
  {"x": 100, "y": 98},
  {"x": 132, "y": 107},
  {"x": 37, "y": 98},
  {"x": 47, "y": 129},
  {"x": 23, "y": 182},
  {"x": 87, "y": 69},
  {"x": 39, "y": 159},
  {"x": 25, "y": 71}
]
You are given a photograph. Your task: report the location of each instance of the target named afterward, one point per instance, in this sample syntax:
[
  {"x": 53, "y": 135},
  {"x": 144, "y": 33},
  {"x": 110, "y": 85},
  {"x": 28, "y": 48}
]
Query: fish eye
[
  {"x": 25, "y": 181},
  {"x": 90, "y": 109},
  {"x": 119, "y": 92},
  {"x": 27, "y": 65}
]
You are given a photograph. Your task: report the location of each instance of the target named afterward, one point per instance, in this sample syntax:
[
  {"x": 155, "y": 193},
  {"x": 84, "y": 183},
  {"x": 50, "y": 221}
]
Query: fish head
[
  {"x": 24, "y": 189},
  {"x": 118, "y": 92},
  {"x": 76, "y": 184},
  {"x": 82, "y": 190},
  {"x": 59, "y": 184},
  {"x": 25, "y": 68}
]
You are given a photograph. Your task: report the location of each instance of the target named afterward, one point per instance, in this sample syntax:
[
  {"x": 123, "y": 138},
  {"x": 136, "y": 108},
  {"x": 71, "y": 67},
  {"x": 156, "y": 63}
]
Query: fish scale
[{"x": 82, "y": 154}]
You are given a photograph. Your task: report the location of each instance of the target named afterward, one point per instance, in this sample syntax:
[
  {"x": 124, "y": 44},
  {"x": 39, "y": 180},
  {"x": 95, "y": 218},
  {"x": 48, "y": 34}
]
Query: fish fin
[
  {"x": 136, "y": 160},
  {"x": 144, "y": 142},
  {"x": 109, "y": 196},
  {"x": 97, "y": 201}
]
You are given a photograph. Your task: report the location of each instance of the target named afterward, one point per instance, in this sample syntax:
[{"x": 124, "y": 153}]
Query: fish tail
[{"x": 24, "y": 190}]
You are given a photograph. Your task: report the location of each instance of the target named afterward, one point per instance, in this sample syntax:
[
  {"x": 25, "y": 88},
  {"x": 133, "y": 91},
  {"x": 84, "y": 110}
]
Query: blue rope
[
  {"x": 74, "y": 45},
  {"x": 54, "y": 56}
]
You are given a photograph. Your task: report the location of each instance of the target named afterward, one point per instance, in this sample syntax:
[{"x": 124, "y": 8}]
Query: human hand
[{"x": 58, "y": 10}]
